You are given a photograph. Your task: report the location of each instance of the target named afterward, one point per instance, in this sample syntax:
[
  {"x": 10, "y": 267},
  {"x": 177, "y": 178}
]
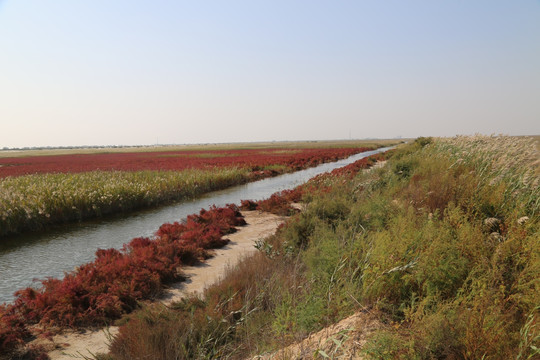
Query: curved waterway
[{"x": 24, "y": 259}]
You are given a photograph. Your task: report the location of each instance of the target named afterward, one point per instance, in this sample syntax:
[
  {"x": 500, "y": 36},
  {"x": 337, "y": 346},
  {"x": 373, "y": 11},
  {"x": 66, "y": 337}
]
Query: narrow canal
[{"x": 26, "y": 259}]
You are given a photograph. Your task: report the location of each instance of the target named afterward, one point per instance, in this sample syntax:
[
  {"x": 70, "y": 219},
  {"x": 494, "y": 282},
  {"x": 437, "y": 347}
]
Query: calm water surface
[{"x": 25, "y": 259}]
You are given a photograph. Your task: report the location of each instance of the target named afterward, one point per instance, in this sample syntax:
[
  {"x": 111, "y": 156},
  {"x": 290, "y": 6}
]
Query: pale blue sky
[{"x": 136, "y": 72}]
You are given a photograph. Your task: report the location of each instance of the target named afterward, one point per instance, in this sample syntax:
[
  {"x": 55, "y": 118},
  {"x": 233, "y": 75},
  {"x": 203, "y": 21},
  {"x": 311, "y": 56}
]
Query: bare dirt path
[{"x": 75, "y": 345}]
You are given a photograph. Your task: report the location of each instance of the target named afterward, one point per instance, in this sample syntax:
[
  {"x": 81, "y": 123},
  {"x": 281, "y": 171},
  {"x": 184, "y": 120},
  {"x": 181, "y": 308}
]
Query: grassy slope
[{"x": 443, "y": 243}]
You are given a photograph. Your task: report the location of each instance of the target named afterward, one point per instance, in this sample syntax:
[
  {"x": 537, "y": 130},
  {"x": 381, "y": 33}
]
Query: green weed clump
[{"x": 446, "y": 251}]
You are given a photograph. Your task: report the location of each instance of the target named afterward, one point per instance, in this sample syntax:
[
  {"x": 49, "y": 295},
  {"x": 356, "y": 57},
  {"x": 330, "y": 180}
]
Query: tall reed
[{"x": 32, "y": 202}]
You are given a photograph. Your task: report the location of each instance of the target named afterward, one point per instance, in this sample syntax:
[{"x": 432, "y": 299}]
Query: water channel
[{"x": 24, "y": 259}]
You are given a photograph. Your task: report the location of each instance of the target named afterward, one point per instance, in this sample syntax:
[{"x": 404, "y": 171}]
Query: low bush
[
  {"x": 13, "y": 330},
  {"x": 278, "y": 203}
]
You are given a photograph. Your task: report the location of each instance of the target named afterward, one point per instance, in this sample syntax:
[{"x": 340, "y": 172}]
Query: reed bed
[
  {"x": 32, "y": 202},
  {"x": 497, "y": 159}
]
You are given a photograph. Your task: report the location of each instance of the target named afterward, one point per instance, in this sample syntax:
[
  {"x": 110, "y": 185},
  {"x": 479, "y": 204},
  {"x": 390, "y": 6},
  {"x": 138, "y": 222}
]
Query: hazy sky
[{"x": 139, "y": 72}]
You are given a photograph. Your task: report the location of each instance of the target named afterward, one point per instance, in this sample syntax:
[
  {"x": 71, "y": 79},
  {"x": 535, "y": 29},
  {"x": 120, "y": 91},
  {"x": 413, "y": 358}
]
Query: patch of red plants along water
[
  {"x": 256, "y": 160},
  {"x": 113, "y": 284},
  {"x": 13, "y": 328},
  {"x": 352, "y": 169},
  {"x": 280, "y": 202}
]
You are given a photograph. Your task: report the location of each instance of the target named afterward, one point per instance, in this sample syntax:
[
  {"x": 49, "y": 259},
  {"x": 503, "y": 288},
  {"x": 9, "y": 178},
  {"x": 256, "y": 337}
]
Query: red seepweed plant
[
  {"x": 110, "y": 286},
  {"x": 13, "y": 329},
  {"x": 256, "y": 160}
]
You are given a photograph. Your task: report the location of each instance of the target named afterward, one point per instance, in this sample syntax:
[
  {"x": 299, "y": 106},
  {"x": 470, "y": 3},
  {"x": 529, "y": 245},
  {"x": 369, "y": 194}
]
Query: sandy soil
[
  {"x": 343, "y": 340},
  {"x": 81, "y": 345}
]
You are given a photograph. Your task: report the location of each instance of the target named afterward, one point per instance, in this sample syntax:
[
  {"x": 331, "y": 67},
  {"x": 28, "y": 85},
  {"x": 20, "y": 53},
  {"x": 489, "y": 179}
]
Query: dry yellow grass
[
  {"x": 510, "y": 160},
  {"x": 500, "y": 157},
  {"x": 537, "y": 139}
]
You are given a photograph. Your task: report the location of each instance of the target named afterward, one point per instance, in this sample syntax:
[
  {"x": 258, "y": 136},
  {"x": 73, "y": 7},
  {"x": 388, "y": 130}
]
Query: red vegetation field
[
  {"x": 172, "y": 160},
  {"x": 112, "y": 285}
]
